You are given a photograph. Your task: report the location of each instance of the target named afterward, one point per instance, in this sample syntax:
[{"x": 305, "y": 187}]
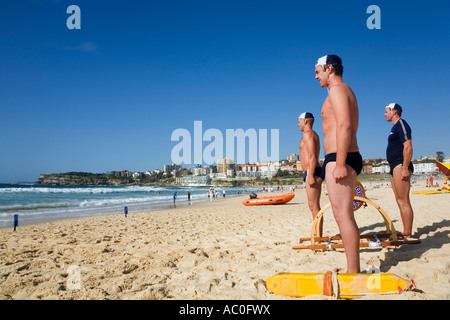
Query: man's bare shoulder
[
  {"x": 310, "y": 135},
  {"x": 341, "y": 94},
  {"x": 341, "y": 88}
]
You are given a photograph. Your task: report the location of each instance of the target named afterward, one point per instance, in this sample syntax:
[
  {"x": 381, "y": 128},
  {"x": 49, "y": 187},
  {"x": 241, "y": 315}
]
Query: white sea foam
[
  {"x": 42, "y": 203},
  {"x": 82, "y": 190}
]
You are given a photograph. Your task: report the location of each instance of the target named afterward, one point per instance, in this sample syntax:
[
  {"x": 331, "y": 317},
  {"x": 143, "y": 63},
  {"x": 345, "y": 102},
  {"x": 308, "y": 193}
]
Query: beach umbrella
[{"x": 445, "y": 168}]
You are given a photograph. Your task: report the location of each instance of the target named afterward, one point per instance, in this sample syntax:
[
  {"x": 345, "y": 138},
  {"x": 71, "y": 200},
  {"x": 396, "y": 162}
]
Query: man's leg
[
  {"x": 401, "y": 191},
  {"x": 313, "y": 193},
  {"x": 341, "y": 194}
]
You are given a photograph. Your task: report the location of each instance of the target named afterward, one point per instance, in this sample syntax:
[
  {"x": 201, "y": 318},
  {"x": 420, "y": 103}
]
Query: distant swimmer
[
  {"x": 399, "y": 153},
  {"x": 343, "y": 162},
  {"x": 309, "y": 156},
  {"x": 174, "y": 198}
]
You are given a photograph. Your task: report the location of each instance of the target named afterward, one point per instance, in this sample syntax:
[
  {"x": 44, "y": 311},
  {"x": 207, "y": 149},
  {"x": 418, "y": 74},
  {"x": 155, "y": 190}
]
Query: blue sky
[{"x": 108, "y": 97}]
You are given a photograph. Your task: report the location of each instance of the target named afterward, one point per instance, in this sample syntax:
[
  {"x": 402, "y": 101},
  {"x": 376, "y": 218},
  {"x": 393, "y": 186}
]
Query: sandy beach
[{"x": 213, "y": 250}]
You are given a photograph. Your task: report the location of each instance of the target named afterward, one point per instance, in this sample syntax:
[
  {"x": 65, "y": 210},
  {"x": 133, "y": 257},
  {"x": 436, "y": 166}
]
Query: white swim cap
[
  {"x": 394, "y": 106},
  {"x": 329, "y": 59},
  {"x": 306, "y": 115}
]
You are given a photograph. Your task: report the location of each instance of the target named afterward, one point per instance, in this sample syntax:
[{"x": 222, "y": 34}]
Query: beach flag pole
[
  {"x": 126, "y": 211},
  {"x": 16, "y": 221}
]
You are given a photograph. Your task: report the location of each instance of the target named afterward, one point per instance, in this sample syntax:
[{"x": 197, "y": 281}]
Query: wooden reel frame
[{"x": 391, "y": 234}]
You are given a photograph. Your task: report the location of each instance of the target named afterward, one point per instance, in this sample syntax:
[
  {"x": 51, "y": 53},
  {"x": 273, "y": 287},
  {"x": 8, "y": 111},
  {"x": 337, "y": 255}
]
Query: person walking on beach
[
  {"x": 343, "y": 162},
  {"x": 189, "y": 197},
  {"x": 174, "y": 198},
  {"x": 399, "y": 153},
  {"x": 309, "y": 156}
]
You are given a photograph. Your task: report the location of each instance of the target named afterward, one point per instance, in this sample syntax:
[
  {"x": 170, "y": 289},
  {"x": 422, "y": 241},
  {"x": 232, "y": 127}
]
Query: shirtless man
[
  {"x": 343, "y": 161},
  {"x": 399, "y": 153},
  {"x": 309, "y": 156}
]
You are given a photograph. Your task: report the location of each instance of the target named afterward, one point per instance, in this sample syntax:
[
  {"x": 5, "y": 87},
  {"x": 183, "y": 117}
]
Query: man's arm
[
  {"x": 312, "y": 158},
  {"x": 310, "y": 148},
  {"x": 407, "y": 156}
]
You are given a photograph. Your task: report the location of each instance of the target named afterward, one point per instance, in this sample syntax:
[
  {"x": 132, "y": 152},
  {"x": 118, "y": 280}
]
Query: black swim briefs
[
  {"x": 318, "y": 172},
  {"x": 354, "y": 160}
]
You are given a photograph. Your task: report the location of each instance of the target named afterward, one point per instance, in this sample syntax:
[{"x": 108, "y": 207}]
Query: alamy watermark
[
  {"x": 74, "y": 20},
  {"x": 73, "y": 278},
  {"x": 374, "y": 21},
  {"x": 374, "y": 280},
  {"x": 256, "y": 149}
]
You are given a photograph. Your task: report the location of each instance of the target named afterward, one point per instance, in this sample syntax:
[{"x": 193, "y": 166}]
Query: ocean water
[{"x": 35, "y": 203}]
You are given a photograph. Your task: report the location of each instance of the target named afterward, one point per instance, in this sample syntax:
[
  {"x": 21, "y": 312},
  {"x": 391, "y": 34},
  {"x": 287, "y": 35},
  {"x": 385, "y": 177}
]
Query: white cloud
[{"x": 87, "y": 47}]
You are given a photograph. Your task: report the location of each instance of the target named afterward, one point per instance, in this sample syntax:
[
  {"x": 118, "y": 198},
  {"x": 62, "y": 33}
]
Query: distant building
[
  {"x": 293, "y": 157},
  {"x": 175, "y": 173},
  {"x": 381, "y": 169},
  {"x": 224, "y": 164},
  {"x": 367, "y": 168},
  {"x": 425, "y": 167},
  {"x": 201, "y": 171},
  {"x": 298, "y": 165},
  {"x": 247, "y": 171},
  {"x": 148, "y": 173},
  {"x": 218, "y": 175},
  {"x": 136, "y": 175},
  {"x": 196, "y": 171},
  {"x": 265, "y": 169},
  {"x": 194, "y": 181},
  {"x": 168, "y": 168}
]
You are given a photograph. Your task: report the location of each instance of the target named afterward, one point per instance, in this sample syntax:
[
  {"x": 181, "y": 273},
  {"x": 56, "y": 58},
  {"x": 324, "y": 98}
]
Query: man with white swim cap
[
  {"x": 309, "y": 156},
  {"x": 399, "y": 153},
  {"x": 343, "y": 161},
  {"x": 330, "y": 59}
]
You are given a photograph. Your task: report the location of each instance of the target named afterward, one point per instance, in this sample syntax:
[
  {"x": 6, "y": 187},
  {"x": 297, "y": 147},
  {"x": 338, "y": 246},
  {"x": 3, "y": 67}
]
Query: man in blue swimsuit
[
  {"x": 309, "y": 156},
  {"x": 343, "y": 162},
  {"x": 399, "y": 153}
]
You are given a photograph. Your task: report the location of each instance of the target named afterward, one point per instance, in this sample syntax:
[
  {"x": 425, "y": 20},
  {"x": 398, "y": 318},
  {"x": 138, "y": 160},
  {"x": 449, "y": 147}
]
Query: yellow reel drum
[{"x": 359, "y": 192}]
